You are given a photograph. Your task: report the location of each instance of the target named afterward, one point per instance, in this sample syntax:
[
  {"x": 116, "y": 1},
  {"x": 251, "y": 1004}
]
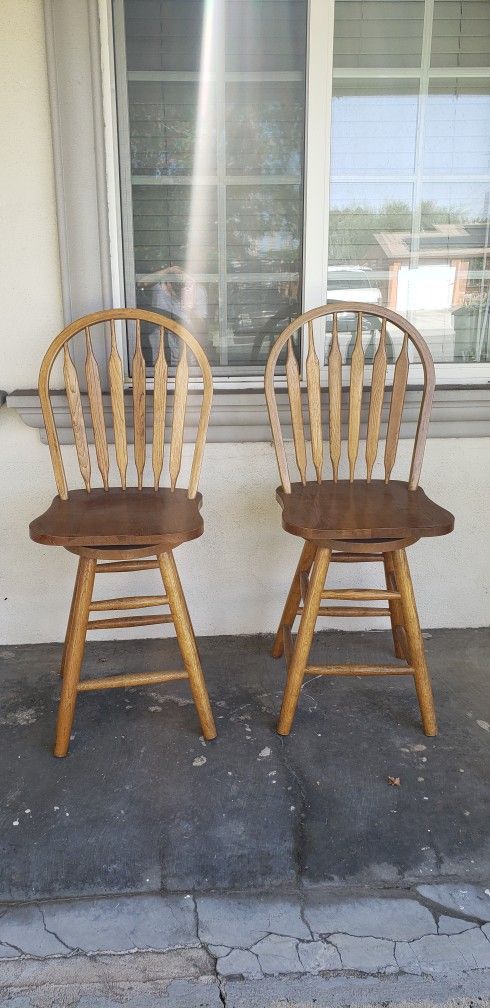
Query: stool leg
[
  {"x": 304, "y": 638},
  {"x": 416, "y": 652},
  {"x": 291, "y": 607},
  {"x": 74, "y": 648},
  {"x": 396, "y": 612},
  {"x": 70, "y": 622},
  {"x": 187, "y": 642}
]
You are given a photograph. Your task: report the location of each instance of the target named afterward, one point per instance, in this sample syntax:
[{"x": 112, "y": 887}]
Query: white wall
[{"x": 237, "y": 575}]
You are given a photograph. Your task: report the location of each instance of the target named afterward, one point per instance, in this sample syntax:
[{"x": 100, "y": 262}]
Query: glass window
[
  {"x": 410, "y": 167},
  {"x": 215, "y": 128}
]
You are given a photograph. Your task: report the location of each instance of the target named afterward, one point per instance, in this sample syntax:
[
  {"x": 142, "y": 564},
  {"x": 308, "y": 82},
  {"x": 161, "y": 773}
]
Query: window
[
  {"x": 225, "y": 218},
  {"x": 410, "y": 167},
  {"x": 212, "y": 122}
]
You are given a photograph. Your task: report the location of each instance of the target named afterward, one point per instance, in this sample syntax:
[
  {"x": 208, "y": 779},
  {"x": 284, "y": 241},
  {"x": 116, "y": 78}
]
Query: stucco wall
[{"x": 236, "y": 576}]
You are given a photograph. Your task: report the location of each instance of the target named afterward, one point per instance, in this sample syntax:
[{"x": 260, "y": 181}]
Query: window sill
[{"x": 242, "y": 415}]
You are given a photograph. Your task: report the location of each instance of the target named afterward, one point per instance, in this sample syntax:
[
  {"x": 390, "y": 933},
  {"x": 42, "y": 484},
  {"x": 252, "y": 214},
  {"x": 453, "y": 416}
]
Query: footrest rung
[
  {"x": 116, "y": 566},
  {"x": 360, "y": 594},
  {"x": 134, "y": 679},
  {"x": 127, "y": 621},
  {"x": 355, "y": 670},
  {"x": 128, "y": 602},
  {"x": 350, "y": 611}
]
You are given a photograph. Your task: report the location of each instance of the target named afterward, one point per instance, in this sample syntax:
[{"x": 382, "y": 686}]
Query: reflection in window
[
  {"x": 410, "y": 187},
  {"x": 216, "y": 119}
]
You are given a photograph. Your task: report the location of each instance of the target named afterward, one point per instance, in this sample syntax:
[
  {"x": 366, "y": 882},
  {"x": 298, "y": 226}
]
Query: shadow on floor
[{"x": 142, "y": 804}]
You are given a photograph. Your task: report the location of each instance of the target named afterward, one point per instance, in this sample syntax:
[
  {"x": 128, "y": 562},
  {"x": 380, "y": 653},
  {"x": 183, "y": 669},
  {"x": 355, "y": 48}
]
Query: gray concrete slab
[{"x": 124, "y": 813}]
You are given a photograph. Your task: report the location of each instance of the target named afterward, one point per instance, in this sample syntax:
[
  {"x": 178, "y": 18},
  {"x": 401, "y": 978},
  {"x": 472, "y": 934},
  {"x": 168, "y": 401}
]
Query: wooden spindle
[
  {"x": 335, "y": 399},
  {"x": 97, "y": 410},
  {"x": 376, "y": 401},
  {"x": 139, "y": 406},
  {"x": 116, "y": 383},
  {"x": 178, "y": 418},
  {"x": 294, "y": 392},
  {"x": 76, "y": 412},
  {"x": 159, "y": 405},
  {"x": 355, "y": 398},
  {"x": 400, "y": 378},
  {"x": 314, "y": 403}
]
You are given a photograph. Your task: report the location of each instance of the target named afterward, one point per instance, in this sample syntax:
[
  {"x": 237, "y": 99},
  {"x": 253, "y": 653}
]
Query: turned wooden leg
[
  {"x": 73, "y": 656},
  {"x": 396, "y": 611},
  {"x": 70, "y": 622},
  {"x": 304, "y": 638},
  {"x": 290, "y": 609},
  {"x": 187, "y": 642},
  {"x": 415, "y": 644}
]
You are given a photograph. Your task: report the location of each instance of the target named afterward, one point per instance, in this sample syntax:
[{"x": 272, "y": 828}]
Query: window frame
[{"x": 320, "y": 75}]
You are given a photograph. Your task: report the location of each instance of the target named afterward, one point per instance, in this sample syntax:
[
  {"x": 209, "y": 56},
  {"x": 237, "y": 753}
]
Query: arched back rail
[
  {"x": 351, "y": 327},
  {"x": 182, "y": 349}
]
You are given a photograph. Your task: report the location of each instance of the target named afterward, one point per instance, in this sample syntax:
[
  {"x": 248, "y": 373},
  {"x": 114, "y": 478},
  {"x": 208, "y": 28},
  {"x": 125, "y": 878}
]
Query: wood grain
[
  {"x": 76, "y": 413},
  {"x": 139, "y": 407},
  {"x": 355, "y": 511},
  {"x": 94, "y": 391},
  {"x": 116, "y": 385},
  {"x": 314, "y": 404},
  {"x": 159, "y": 407},
  {"x": 178, "y": 418},
  {"x": 400, "y": 378},
  {"x": 355, "y": 399},
  {"x": 376, "y": 401},
  {"x": 335, "y": 399},
  {"x": 294, "y": 391}
]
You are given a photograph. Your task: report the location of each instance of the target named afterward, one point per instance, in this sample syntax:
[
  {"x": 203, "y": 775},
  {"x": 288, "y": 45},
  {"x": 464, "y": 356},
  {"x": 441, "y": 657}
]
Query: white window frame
[{"x": 320, "y": 76}]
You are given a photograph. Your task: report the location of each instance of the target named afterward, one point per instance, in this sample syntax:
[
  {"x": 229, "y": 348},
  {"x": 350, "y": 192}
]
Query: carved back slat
[
  {"x": 396, "y": 407},
  {"x": 357, "y": 369},
  {"x": 94, "y": 392},
  {"x": 139, "y": 406},
  {"x": 355, "y": 398},
  {"x": 376, "y": 401},
  {"x": 314, "y": 403},
  {"x": 178, "y": 419},
  {"x": 294, "y": 389},
  {"x": 335, "y": 399},
  {"x": 191, "y": 351},
  {"x": 159, "y": 406},
  {"x": 116, "y": 385},
  {"x": 76, "y": 413}
]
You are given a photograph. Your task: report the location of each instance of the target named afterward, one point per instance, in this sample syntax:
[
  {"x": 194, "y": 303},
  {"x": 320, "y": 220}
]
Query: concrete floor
[
  {"x": 307, "y": 830},
  {"x": 143, "y": 805}
]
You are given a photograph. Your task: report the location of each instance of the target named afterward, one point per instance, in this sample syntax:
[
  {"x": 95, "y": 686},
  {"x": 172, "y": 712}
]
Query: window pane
[
  {"x": 460, "y": 33},
  {"x": 163, "y": 36},
  {"x": 457, "y": 134},
  {"x": 378, "y": 33},
  {"x": 410, "y": 193},
  {"x": 216, "y": 109},
  {"x": 373, "y": 127}
]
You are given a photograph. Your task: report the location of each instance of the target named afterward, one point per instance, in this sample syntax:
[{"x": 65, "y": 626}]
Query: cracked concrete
[
  {"x": 209, "y": 944},
  {"x": 345, "y": 891}
]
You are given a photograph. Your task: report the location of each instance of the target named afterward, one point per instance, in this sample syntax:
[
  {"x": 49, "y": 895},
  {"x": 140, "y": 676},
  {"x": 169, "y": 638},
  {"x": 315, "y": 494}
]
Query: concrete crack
[
  {"x": 15, "y": 948},
  {"x": 69, "y": 948}
]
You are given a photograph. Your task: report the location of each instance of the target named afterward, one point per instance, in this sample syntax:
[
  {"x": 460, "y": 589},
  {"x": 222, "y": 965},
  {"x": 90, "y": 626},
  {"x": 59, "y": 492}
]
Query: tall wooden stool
[
  {"x": 354, "y": 520},
  {"x": 125, "y": 528}
]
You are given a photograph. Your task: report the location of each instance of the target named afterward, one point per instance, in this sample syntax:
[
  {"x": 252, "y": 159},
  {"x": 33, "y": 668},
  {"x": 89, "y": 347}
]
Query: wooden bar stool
[
  {"x": 354, "y": 520},
  {"x": 125, "y": 528}
]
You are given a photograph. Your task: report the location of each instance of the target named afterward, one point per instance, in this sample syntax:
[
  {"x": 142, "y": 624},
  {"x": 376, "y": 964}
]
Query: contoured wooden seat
[
  {"x": 115, "y": 529},
  {"x": 352, "y": 520}
]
